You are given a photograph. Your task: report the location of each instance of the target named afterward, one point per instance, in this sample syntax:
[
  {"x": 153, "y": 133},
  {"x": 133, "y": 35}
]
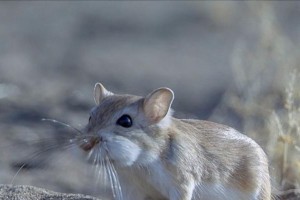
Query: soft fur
[{"x": 161, "y": 157}]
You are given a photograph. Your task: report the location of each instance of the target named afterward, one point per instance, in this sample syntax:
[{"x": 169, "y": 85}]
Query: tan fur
[
  {"x": 189, "y": 154},
  {"x": 232, "y": 159}
]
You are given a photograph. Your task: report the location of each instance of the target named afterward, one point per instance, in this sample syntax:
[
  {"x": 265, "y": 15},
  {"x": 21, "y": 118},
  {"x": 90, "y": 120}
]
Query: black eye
[
  {"x": 90, "y": 118},
  {"x": 125, "y": 121}
]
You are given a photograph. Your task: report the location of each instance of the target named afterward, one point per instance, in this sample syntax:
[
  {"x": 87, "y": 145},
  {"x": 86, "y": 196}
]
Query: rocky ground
[{"x": 8, "y": 192}]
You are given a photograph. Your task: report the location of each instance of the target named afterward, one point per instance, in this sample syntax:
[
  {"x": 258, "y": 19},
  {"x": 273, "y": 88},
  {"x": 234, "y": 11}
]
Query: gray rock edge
[{"x": 25, "y": 192}]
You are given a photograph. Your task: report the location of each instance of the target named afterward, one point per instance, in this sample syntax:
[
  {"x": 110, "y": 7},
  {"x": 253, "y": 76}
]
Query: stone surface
[{"x": 24, "y": 192}]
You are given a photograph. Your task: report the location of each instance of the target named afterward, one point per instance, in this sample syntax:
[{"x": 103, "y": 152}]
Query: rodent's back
[{"x": 227, "y": 155}]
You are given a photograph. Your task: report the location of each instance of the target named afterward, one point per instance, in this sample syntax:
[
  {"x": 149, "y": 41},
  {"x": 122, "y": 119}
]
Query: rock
[{"x": 24, "y": 192}]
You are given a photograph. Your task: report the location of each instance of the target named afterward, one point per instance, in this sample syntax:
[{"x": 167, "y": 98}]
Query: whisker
[
  {"x": 114, "y": 180},
  {"x": 119, "y": 189},
  {"x": 31, "y": 142},
  {"x": 99, "y": 166},
  {"x": 24, "y": 164},
  {"x": 95, "y": 160},
  {"x": 110, "y": 179},
  {"x": 91, "y": 152},
  {"x": 104, "y": 171},
  {"x": 36, "y": 155},
  {"x": 63, "y": 124},
  {"x": 102, "y": 168}
]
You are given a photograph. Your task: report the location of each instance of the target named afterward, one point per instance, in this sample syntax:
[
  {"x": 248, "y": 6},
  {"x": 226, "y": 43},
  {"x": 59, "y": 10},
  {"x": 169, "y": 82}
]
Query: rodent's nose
[{"x": 88, "y": 143}]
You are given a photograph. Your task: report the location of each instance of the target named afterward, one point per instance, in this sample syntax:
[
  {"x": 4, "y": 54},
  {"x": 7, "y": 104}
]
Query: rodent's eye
[
  {"x": 90, "y": 118},
  {"x": 125, "y": 121}
]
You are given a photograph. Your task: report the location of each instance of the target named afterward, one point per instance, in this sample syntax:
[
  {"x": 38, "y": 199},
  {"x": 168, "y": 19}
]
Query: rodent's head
[{"x": 129, "y": 129}]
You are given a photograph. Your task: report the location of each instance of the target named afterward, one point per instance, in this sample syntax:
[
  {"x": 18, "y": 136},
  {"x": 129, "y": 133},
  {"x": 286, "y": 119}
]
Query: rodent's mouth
[{"x": 89, "y": 143}]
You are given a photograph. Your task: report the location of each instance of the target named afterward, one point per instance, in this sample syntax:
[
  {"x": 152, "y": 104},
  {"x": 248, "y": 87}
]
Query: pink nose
[{"x": 89, "y": 143}]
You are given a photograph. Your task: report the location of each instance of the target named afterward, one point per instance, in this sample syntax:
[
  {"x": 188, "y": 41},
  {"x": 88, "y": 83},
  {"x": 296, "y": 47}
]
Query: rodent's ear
[
  {"x": 100, "y": 93},
  {"x": 157, "y": 104}
]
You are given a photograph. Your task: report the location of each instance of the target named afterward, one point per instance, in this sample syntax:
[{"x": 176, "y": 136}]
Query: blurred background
[{"x": 227, "y": 61}]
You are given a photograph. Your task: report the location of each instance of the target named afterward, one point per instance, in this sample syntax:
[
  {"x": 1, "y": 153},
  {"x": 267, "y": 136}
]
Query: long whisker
[
  {"x": 62, "y": 123},
  {"x": 114, "y": 181},
  {"x": 43, "y": 140},
  {"x": 17, "y": 173},
  {"x": 118, "y": 185},
  {"x": 99, "y": 166},
  {"x": 37, "y": 154},
  {"x": 108, "y": 171},
  {"x": 90, "y": 155},
  {"x": 103, "y": 170}
]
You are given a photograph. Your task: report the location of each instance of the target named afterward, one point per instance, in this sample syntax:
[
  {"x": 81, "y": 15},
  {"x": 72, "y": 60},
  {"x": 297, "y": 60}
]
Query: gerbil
[{"x": 157, "y": 156}]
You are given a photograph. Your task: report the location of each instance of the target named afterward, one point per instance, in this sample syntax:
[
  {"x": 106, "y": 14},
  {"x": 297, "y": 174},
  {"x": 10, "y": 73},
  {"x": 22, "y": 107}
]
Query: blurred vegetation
[{"x": 266, "y": 98}]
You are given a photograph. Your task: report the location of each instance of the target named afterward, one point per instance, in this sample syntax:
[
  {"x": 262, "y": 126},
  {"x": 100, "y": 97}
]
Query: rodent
[{"x": 157, "y": 156}]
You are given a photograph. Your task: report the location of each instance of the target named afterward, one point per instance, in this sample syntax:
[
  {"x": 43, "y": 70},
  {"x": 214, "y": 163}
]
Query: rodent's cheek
[{"x": 122, "y": 150}]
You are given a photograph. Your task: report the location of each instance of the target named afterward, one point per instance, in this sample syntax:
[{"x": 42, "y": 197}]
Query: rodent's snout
[{"x": 88, "y": 143}]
